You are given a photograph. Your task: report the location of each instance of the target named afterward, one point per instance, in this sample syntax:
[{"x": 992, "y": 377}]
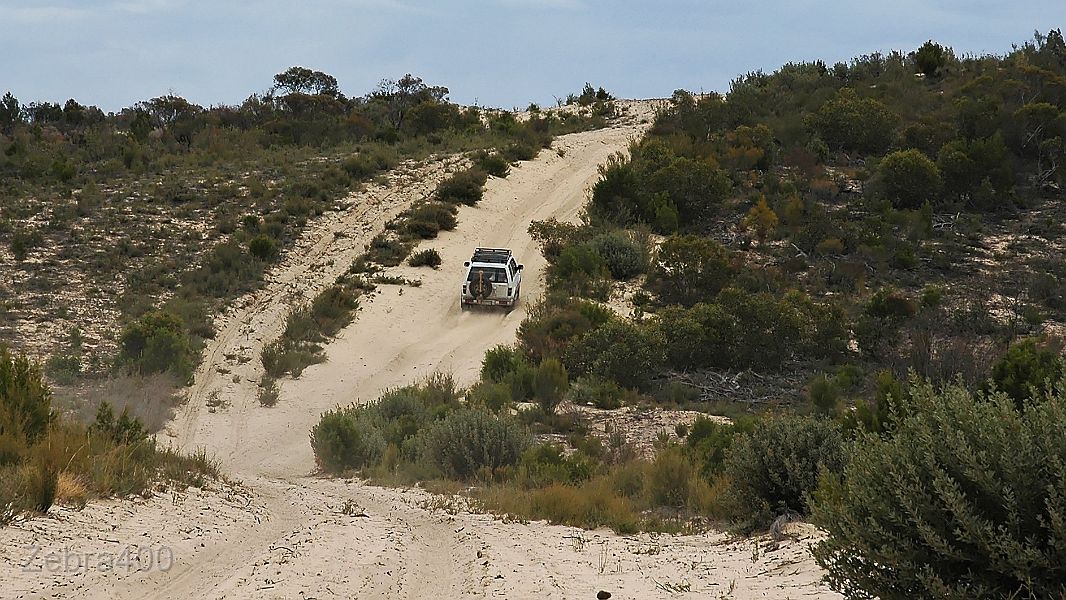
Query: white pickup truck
[{"x": 493, "y": 278}]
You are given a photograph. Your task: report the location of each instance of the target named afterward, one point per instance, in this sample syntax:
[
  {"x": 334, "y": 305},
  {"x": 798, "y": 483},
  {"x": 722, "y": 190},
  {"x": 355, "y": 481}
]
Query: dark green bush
[
  {"x": 773, "y": 469},
  {"x": 965, "y": 499},
  {"x": 492, "y": 164},
  {"x": 624, "y": 256},
  {"x": 545, "y": 464},
  {"x": 429, "y": 219},
  {"x": 425, "y": 258},
  {"x": 263, "y": 247},
  {"x": 388, "y": 251},
  {"x": 550, "y": 328},
  {"x": 499, "y": 362},
  {"x": 332, "y": 310},
  {"x": 630, "y": 354},
  {"x": 597, "y": 391},
  {"x": 157, "y": 343},
  {"x": 346, "y": 439},
  {"x": 465, "y": 187},
  {"x": 1026, "y": 370},
  {"x": 469, "y": 442},
  {"x": 909, "y": 179},
  {"x": 491, "y": 395},
  {"x": 550, "y": 383},
  {"x": 708, "y": 442},
  {"x": 690, "y": 269},
  {"x": 579, "y": 271},
  {"x": 25, "y": 400}
]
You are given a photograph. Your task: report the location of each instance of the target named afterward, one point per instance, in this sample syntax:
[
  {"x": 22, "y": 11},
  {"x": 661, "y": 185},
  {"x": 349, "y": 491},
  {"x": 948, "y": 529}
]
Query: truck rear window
[{"x": 491, "y": 274}]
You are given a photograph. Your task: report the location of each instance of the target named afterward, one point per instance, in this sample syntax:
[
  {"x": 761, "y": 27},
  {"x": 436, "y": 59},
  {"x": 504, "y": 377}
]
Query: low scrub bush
[
  {"x": 44, "y": 458},
  {"x": 965, "y": 499},
  {"x": 428, "y": 219},
  {"x": 624, "y": 256},
  {"x": 690, "y": 269},
  {"x": 287, "y": 357},
  {"x": 550, "y": 383},
  {"x": 1027, "y": 370},
  {"x": 493, "y": 164},
  {"x": 773, "y": 469},
  {"x": 628, "y": 353},
  {"x": 345, "y": 439},
  {"x": 469, "y": 443},
  {"x": 598, "y": 392},
  {"x": 465, "y": 187},
  {"x": 425, "y": 258},
  {"x": 157, "y": 343}
]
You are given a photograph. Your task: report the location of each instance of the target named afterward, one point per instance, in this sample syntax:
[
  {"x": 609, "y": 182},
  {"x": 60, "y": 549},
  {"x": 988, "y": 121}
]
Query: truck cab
[{"x": 493, "y": 278}]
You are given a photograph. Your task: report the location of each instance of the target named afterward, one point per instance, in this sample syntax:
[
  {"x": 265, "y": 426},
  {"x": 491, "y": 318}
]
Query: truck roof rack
[{"x": 491, "y": 255}]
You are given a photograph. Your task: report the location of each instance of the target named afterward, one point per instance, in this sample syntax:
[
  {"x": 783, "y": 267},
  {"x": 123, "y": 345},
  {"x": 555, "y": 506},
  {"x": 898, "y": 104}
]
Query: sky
[{"x": 502, "y": 53}]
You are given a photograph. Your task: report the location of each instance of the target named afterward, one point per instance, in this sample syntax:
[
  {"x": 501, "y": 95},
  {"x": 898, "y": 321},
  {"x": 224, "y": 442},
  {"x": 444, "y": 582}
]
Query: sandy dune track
[{"x": 288, "y": 534}]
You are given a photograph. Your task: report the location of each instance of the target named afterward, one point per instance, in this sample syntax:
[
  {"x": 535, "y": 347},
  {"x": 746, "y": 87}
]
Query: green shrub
[
  {"x": 492, "y": 164},
  {"x": 670, "y": 478},
  {"x": 551, "y": 327},
  {"x": 426, "y": 220},
  {"x": 346, "y": 439},
  {"x": 550, "y": 383},
  {"x": 597, "y": 391},
  {"x": 773, "y": 469},
  {"x": 499, "y": 362},
  {"x": 690, "y": 269},
  {"x": 625, "y": 257},
  {"x": 629, "y": 353},
  {"x": 25, "y": 400},
  {"x": 1026, "y": 370},
  {"x": 269, "y": 393},
  {"x": 545, "y": 464},
  {"x": 492, "y": 395},
  {"x": 708, "y": 442},
  {"x": 288, "y": 357},
  {"x": 578, "y": 270},
  {"x": 465, "y": 187},
  {"x": 332, "y": 310},
  {"x": 425, "y": 258},
  {"x": 157, "y": 343},
  {"x": 387, "y": 251},
  {"x": 400, "y": 414},
  {"x": 469, "y": 442},
  {"x": 965, "y": 499},
  {"x": 125, "y": 430},
  {"x": 263, "y": 247},
  {"x": 909, "y": 179}
]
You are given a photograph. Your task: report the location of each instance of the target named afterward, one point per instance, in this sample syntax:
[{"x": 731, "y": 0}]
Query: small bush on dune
[
  {"x": 345, "y": 439},
  {"x": 157, "y": 343},
  {"x": 622, "y": 351},
  {"x": 624, "y": 256},
  {"x": 492, "y": 164},
  {"x": 1026, "y": 369},
  {"x": 550, "y": 383},
  {"x": 25, "y": 401},
  {"x": 428, "y": 219},
  {"x": 425, "y": 258},
  {"x": 774, "y": 468},
  {"x": 464, "y": 187},
  {"x": 468, "y": 442},
  {"x": 690, "y": 269},
  {"x": 597, "y": 391},
  {"x": 965, "y": 499},
  {"x": 491, "y": 395},
  {"x": 332, "y": 310}
]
